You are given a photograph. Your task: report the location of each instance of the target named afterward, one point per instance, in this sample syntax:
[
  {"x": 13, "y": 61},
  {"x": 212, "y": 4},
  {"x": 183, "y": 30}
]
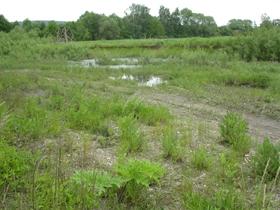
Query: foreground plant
[
  {"x": 224, "y": 198},
  {"x": 85, "y": 188},
  {"x": 130, "y": 136},
  {"x": 14, "y": 166},
  {"x": 234, "y": 132},
  {"x": 266, "y": 161},
  {"x": 138, "y": 176},
  {"x": 200, "y": 159},
  {"x": 171, "y": 144}
]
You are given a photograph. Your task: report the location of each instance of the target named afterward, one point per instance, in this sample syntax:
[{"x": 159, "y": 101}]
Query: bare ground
[{"x": 180, "y": 106}]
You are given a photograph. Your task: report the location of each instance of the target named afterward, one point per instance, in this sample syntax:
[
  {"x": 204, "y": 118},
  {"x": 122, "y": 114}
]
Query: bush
[
  {"x": 234, "y": 132},
  {"x": 130, "y": 136},
  {"x": 262, "y": 45},
  {"x": 200, "y": 159},
  {"x": 267, "y": 155},
  {"x": 171, "y": 145},
  {"x": 138, "y": 176}
]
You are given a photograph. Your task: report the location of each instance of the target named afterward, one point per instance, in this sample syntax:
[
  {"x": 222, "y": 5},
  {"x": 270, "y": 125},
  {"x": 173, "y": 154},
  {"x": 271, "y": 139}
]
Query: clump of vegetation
[
  {"x": 31, "y": 123},
  {"x": 149, "y": 114},
  {"x": 200, "y": 159},
  {"x": 171, "y": 145},
  {"x": 253, "y": 80},
  {"x": 14, "y": 166},
  {"x": 138, "y": 176},
  {"x": 130, "y": 136},
  {"x": 224, "y": 198},
  {"x": 230, "y": 168},
  {"x": 86, "y": 115},
  {"x": 266, "y": 161},
  {"x": 262, "y": 45},
  {"x": 234, "y": 132},
  {"x": 85, "y": 188}
]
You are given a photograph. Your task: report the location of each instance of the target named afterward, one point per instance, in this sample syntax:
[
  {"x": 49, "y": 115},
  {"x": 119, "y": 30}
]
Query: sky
[{"x": 71, "y": 10}]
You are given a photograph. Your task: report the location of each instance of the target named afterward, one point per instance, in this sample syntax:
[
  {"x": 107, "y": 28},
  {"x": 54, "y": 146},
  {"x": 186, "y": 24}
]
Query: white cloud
[{"x": 221, "y": 10}]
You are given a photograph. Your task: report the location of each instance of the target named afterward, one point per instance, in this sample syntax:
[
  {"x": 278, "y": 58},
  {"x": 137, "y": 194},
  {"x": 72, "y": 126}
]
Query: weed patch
[
  {"x": 266, "y": 161},
  {"x": 130, "y": 136},
  {"x": 234, "y": 132},
  {"x": 200, "y": 159},
  {"x": 138, "y": 176},
  {"x": 171, "y": 144}
]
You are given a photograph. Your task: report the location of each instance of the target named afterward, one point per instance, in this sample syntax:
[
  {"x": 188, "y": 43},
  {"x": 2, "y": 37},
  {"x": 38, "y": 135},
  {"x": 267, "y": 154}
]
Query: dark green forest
[{"x": 138, "y": 23}]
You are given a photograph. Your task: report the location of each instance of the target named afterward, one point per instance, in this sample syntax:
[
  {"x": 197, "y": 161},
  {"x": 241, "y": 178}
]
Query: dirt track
[{"x": 180, "y": 106}]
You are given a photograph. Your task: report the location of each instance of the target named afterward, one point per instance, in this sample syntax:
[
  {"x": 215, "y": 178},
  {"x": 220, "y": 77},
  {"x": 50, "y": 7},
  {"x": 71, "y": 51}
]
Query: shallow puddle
[
  {"x": 121, "y": 63},
  {"x": 118, "y": 63},
  {"x": 142, "y": 81},
  {"x": 153, "y": 81}
]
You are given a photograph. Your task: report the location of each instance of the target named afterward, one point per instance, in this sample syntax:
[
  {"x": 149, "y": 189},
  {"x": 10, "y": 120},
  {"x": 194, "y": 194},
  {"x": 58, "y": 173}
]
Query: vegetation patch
[
  {"x": 267, "y": 160},
  {"x": 234, "y": 132}
]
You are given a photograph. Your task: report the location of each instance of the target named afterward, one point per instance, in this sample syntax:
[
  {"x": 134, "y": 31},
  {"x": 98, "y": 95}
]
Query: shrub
[
  {"x": 130, "y": 136},
  {"x": 138, "y": 176},
  {"x": 234, "y": 132},
  {"x": 200, "y": 159},
  {"x": 262, "y": 44},
  {"x": 267, "y": 155},
  {"x": 171, "y": 144}
]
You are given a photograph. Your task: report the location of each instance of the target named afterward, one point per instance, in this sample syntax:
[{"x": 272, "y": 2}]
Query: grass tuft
[{"x": 234, "y": 132}]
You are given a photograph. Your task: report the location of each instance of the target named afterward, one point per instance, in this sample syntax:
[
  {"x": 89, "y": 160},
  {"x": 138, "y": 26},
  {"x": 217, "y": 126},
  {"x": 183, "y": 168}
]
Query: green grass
[
  {"x": 267, "y": 160},
  {"x": 172, "y": 145},
  {"x": 131, "y": 139},
  {"x": 234, "y": 132},
  {"x": 201, "y": 160},
  {"x": 82, "y": 127}
]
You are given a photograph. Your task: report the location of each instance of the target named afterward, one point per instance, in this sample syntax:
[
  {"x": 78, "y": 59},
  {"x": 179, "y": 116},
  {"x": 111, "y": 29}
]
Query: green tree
[
  {"x": 266, "y": 21},
  {"x": 5, "y": 25},
  {"x": 188, "y": 23},
  {"x": 155, "y": 28},
  {"x": 109, "y": 28},
  {"x": 27, "y": 25},
  {"x": 165, "y": 19},
  {"x": 240, "y": 26},
  {"x": 224, "y": 31},
  {"x": 91, "y": 22},
  {"x": 137, "y": 19},
  {"x": 78, "y": 30},
  {"x": 176, "y": 23},
  {"x": 51, "y": 29}
]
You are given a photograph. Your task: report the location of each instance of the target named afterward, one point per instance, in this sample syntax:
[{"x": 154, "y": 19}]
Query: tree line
[{"x": 139, "y": 23}]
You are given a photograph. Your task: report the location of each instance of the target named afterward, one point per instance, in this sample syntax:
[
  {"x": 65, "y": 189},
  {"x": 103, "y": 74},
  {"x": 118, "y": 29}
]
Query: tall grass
[
  {"x": 234, "y": 132},
  {"x": 131, "y": 138},
  {"x": 172, "y": 144}
]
